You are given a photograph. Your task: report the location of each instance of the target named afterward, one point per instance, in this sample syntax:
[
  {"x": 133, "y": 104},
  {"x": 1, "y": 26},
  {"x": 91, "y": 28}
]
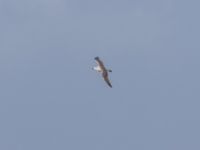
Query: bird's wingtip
[{"x": 96, "y": 57}]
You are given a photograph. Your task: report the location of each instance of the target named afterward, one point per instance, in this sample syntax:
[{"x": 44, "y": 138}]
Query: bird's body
[
  {"x": 102, "y": 69},
  {"x": 98, "y": 68}
]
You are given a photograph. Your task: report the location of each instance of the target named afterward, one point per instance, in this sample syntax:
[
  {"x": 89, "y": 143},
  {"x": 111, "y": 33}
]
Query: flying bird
[{"x": 102, "y": 69}]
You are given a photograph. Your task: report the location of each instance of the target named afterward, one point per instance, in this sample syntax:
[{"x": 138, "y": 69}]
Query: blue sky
[{"x": 52, "y": 99}]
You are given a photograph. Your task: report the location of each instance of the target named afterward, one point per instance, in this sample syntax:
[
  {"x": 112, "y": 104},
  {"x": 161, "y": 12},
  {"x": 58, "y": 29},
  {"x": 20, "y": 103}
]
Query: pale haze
[{"x": 51, "y": 99}]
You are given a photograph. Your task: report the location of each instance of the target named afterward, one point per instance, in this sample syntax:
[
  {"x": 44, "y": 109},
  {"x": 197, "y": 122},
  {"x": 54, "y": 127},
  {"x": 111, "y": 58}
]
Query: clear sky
[{"x": 51, "y": 99}]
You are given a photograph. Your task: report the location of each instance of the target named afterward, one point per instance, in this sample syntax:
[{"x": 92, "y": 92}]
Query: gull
[{"x": 102, "y": 69}]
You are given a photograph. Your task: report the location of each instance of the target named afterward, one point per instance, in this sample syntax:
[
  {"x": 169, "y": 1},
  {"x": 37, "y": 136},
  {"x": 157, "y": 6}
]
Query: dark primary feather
[
  {"x": 108, "y": 82},
  {"x": 100, "y": 63},
  {"x": 106, "y": 79}
]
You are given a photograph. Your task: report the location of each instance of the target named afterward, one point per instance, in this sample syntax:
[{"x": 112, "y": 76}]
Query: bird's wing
[
  {"x": 107, "y": 81},
  {"x": 99, "y": 62}
]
